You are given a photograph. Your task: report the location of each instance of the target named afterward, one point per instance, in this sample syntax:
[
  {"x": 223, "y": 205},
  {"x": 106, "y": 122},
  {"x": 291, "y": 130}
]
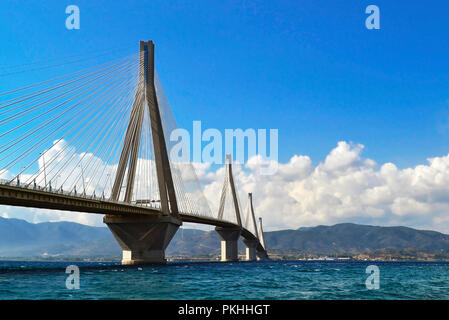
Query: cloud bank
[{"x": 345, "y": 187}]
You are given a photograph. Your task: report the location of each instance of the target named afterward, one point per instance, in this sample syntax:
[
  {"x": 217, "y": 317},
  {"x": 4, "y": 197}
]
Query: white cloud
[{"x": 344, "y": 188}]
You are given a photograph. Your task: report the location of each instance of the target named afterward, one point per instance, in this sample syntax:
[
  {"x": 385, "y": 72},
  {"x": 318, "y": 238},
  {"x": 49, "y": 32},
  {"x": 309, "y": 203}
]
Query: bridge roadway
[{"x": 34, "y": 198}]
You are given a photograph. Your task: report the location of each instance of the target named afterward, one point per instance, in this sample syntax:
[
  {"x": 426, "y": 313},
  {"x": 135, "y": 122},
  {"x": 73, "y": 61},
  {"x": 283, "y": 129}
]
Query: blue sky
[{"x": 308, "y": 68}]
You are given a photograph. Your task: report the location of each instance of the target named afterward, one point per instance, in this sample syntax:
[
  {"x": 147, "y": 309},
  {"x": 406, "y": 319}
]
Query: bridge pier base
[
  {"x": 229, "y": 243},
  {"x": 251, "y": 246},
  {"x": 142, "y": 239},
  {"x": 262, "y": 255}
]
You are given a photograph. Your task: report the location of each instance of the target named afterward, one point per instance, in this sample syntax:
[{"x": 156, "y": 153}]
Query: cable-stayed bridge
[{"x": 97, "y": 141}]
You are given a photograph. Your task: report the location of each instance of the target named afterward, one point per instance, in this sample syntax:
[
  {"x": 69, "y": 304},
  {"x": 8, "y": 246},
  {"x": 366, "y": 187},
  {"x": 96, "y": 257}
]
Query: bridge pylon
[
  {"x": 144, "y": 239},
  {"x": 251, "y": 244},
  {"x": 262, "y": 249},
  {"x": 229, "y": 236}
]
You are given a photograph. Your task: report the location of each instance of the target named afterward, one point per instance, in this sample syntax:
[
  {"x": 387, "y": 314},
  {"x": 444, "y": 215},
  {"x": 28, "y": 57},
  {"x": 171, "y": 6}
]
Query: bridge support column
[
  {"x": 229, "y": 243},
  {"x": 251, "y": 246},
  {"x": 262, "y": 255},
  {"x": 143, "y": 239}
]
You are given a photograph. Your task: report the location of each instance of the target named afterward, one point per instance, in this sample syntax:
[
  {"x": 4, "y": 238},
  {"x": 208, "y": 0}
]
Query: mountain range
[{"x": 21, "y": 239}]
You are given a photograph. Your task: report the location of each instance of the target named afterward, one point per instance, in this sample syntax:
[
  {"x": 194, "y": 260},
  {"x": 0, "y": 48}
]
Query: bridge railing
[{"x": 32, "y": 186}]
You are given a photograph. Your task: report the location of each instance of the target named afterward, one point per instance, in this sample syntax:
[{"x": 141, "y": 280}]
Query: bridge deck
[{"x": 25, "y": 197}]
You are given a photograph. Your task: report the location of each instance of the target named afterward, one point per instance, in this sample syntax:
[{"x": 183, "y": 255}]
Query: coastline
[{"x": 196, "y": 259}]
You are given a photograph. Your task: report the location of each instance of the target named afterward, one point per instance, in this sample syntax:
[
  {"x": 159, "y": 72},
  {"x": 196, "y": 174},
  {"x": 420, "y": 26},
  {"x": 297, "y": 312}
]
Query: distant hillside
[
  {"x": 351, "y": 239},
  {"x": 19, "y": 238}
]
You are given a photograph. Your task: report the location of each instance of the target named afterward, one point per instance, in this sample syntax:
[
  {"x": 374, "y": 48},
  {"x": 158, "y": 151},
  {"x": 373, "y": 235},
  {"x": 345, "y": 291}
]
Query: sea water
[{"x": 215, "y": 280}]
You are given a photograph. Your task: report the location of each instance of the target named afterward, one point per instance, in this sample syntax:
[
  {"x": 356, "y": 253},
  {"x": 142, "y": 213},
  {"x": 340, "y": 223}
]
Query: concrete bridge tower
[
  {"x": 229, "y": 236},
  {"x": 262, "y": 254},
  {"x": 251, "y": 244},
  {"x": 144, "y": 239}
]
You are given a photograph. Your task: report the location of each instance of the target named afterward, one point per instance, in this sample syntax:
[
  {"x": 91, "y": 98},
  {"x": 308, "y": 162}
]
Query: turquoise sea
[{"x": 214, "y": 280}]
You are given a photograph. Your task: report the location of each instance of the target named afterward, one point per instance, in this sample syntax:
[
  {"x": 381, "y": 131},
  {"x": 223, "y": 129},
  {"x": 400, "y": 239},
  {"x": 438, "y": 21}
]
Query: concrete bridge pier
[
  {"x": 251, "y": 246},
  {"x": 262, "y": 255},
  {"x": 143, "y": 239},
  {"x": 229, "y": 243}
]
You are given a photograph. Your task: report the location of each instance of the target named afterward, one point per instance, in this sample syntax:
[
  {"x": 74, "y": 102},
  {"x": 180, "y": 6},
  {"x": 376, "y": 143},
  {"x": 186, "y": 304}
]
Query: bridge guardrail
[{"x": 31, "y": 186}]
